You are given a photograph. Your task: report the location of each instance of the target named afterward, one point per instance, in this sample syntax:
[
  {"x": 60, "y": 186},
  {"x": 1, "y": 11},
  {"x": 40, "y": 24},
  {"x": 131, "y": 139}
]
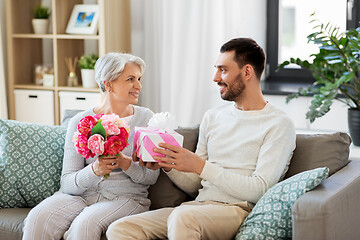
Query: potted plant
[
  {"x": 336, "y": 70},
  {"x": 87, "y": 64},
  {"x": 40, "y": 21}
]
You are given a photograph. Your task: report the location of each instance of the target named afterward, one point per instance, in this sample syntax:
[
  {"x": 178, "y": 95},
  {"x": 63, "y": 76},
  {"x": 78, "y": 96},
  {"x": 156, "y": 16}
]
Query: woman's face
[{"x": 126, "y": 88}]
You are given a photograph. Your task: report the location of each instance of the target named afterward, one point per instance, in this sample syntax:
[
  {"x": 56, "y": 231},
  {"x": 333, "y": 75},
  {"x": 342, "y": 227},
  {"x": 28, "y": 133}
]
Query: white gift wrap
[{"x": 146, "y": 139}]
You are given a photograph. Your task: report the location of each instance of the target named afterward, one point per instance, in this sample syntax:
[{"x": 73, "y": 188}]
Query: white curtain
[
  {"x": 3, "y": 98},
  {"x": 180, "y": 41}
]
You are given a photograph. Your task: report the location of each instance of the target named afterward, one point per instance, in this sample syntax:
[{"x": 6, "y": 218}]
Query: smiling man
[{"x": 244, "y": 148}]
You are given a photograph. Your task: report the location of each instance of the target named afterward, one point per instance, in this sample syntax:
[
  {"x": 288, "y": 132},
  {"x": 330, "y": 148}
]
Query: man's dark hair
[{"x": 247, "y": 51}]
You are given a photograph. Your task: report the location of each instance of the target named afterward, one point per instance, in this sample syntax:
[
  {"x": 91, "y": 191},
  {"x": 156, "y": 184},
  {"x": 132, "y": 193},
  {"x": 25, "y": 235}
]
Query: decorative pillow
[
  {"x": 320, "y": 150},
  {"x": 164, "y": 193},
  {"x": 30, "y": 162},
  {"x": 271, "y": 217}
]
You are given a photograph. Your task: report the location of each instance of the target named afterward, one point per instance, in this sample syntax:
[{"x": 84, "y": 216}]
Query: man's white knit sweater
[{"x": 247, "y": 152}]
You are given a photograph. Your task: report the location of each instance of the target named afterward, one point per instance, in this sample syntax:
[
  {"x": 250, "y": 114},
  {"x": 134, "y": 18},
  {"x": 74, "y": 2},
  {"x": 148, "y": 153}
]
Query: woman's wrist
[
  {"x": 93, "y": 168},
  {"x": 126, "y": 163}
]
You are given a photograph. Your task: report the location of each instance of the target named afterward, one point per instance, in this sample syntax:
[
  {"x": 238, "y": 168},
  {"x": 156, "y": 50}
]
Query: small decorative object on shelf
[
  {"x": 72, "y": 80},
  {"x": 87, "y": 65},
  {"x": 83, "y": 19},
  {"x": 41, "y": 74},
  {"x": 41, "y": 19}
]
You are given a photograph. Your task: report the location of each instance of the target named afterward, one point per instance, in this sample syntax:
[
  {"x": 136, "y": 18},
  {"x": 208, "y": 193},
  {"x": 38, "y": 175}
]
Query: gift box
[{"x": 146, "y": 139}]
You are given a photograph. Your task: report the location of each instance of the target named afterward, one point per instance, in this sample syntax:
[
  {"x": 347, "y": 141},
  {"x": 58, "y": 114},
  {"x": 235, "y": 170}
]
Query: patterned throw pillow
[
  {"x": 30, "y": 162},
  {"x": 271, "y": 217}
]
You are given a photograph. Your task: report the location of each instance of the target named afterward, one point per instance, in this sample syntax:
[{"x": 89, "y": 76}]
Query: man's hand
[{"x": 179, "y": 158}]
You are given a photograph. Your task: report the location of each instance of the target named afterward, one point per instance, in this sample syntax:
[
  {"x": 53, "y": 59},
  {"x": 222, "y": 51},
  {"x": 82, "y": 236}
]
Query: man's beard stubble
[{"x": 235, "y": 90}]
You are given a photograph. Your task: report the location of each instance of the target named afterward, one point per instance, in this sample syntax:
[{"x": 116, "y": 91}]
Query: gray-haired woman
[{"x": 87, "y": 203}]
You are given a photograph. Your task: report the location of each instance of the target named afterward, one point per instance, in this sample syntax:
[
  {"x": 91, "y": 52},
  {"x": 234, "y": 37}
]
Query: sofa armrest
[{"x": 332, "y": 210}]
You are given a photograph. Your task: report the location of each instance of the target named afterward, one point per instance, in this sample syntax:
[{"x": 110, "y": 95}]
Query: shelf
[
  {"x": 27, "y": 50},
  {"x": 79, "y": 89},
  {"x": 31, "y": 35},
  {"x": 54, "y": 36},
  {"x": 70, "y": 36},
  {"x": 32, "y": 87},
  {"x": 70, "y": 89}
]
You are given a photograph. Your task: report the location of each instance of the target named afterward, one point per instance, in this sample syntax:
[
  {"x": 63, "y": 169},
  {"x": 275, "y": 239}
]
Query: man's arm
[{"x": 273, "y": 159}]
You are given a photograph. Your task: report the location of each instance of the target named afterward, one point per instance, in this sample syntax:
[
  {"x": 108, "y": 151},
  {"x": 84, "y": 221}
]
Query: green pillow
[
  {"x": 271, "y": 217},
  {"x": 30, "y": 162}
]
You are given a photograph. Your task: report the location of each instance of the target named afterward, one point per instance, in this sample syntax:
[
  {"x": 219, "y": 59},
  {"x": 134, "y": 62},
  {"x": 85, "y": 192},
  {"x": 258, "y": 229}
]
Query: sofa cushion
[
  {"x": 271, "y": 218},
  {"x": 164, "y": 193},
  {"x": 191, "y": 135},
  {"x": 320, "y": 150},
  {"x": 12, "y": 222},
  {"x": 30, "y": 162},
  {"x": 68, "y": 114}
]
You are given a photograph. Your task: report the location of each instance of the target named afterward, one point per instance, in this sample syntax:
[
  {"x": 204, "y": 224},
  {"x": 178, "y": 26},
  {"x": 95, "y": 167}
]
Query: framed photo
[{"x": 84, "y": 19}]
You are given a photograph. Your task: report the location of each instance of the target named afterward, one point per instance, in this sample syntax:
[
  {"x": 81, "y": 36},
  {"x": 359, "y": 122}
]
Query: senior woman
[{"x": 87, "y": 203}]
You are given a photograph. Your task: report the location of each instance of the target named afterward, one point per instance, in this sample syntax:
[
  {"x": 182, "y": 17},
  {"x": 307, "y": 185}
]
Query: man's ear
[{"x": 248, "y": 71}]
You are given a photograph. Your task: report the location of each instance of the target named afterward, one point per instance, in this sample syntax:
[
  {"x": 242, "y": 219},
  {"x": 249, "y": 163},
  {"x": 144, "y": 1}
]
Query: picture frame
[{"x": 84, "y": 19}]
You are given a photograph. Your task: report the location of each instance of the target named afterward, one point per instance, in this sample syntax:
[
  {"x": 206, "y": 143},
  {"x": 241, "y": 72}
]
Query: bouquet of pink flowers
[{"x": 101, "y": 135}]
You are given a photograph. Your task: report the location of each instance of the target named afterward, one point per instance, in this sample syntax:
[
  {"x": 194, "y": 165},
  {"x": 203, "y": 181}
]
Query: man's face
[{"x": 228, "y": 77}]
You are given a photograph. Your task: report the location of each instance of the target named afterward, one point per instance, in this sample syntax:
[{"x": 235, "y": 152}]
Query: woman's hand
[
  {"x": 105, "y": 164},
  {"x": 179, "y": 158},
  {"x": 149, "y": 165}
]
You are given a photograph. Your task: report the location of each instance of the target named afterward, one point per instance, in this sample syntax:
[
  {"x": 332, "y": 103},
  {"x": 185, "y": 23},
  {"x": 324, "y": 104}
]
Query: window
[{"x": 288, "y": 24}]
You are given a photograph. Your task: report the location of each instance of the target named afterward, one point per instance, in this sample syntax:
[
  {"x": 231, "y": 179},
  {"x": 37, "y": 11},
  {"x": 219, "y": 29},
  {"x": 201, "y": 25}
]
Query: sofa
[{"x": 329, "y": 211}]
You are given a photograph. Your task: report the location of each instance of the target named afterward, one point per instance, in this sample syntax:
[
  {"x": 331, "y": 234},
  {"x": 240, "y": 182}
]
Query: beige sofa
[{"x": 330, "y": 211}]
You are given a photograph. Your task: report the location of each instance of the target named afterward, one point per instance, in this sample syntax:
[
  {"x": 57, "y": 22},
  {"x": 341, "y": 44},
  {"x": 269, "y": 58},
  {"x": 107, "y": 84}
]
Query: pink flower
[
  {"x": 86, "y": 124},
  {"x": 96, "y": 144},
  {"x": 98, "y": 116},
  {"x": 124, "y": 133},
  {"x": 116, "y": 130},
  {"x": 81, "y": 146},
  {"x": 110, "y": 117},
  {"x": 75, "y": 137},
  {"x": 114, "y": 145},
  {"x": 116, "y": 120},
  {"x": 110, "y": 128}
]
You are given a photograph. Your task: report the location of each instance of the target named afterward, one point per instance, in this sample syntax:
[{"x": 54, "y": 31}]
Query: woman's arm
[
  {"x": 141, "y": 174},
  {"x": 76, "y": 176}
]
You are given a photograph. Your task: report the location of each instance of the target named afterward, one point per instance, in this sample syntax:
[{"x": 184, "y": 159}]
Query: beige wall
[
  {"x": 3, "y": 33},
  {"x": 3, "y": 62}
]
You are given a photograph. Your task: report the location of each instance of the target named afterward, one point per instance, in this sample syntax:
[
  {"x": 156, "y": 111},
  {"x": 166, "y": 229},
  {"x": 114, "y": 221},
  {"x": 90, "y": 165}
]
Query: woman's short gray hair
[{"x": 110, "y": 66}]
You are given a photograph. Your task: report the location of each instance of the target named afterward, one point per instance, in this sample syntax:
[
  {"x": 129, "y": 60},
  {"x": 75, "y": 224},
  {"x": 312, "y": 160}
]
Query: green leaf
[
  {"x": 329, "y": 48},
  {"x": 335, "y": 61},
  {"x": 282, "y": 65},
  {"x": 88, "y": 61},
  {"x": 291, "y": 96},
  {"x": 98, "y": 129},
  {"x": 345, "y": 78},
  {"x": 41, "y": 12}
]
